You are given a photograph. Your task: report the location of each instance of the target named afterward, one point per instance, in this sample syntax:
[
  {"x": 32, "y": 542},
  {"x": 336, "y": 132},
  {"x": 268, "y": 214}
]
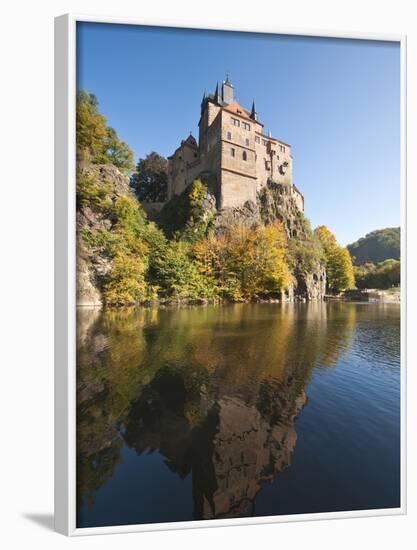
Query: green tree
[
  {"x": 377, "y": 246},
  {"x": 117, "y": 152},
  {"x": 382, "y": 275},
  {"x": 177, "y": 275},
  {"x": 150, "y": 180},
  {"x": 97, "y": 142},
  {"x": 338, "y": 261}
]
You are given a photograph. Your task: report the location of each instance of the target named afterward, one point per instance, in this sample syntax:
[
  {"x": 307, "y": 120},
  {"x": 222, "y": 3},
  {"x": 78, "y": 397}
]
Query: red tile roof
[{"x": 237, "y": 109}]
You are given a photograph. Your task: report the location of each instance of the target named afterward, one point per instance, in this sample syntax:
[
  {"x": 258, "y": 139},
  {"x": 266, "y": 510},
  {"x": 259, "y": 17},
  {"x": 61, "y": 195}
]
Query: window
[
  {"x": 244, "y": 155},
  {"x": 232, "y": 152},
  {"x": 267, "y": 165},
  {"x": 264, "y": 142},
  {"x": 236, "y": 122},
  {"x": 229, "y": 136},
  {"x": 257, "y": 139},
  {"x": 246, "y": 126},
  {"x": 282, "y": 148},
  {"x": 247, "y": 142}
]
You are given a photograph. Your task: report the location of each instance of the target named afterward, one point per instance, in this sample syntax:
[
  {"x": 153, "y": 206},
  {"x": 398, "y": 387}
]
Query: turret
[{"x": 227, "y": 91}]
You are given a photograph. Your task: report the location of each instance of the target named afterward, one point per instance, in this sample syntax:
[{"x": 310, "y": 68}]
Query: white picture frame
[{"x": 65, "y": 284}]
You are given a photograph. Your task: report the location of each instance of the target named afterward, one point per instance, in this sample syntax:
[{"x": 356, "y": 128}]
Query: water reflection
[{"x": 214, "y": 390}]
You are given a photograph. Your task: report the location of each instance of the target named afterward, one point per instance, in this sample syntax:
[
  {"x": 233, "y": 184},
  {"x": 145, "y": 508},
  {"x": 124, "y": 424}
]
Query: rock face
[
  {"x": 93, "y": 265},
  {"x": 276, "y": 202},
  {"x": 311, "y": 286}
]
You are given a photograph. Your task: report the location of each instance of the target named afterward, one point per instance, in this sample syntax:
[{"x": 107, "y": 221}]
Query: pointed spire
[
  {"x": 217, "y": 97},
  {"x": 203, "y": 101},
  {"x": 254, "y": 114}
]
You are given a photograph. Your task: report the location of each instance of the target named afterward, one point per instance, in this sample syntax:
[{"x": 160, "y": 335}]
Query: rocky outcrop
[
  {"x": 276, "y": 201},
  {"x": 93, "y": 264},
  {"x": 311, "y": 286}
]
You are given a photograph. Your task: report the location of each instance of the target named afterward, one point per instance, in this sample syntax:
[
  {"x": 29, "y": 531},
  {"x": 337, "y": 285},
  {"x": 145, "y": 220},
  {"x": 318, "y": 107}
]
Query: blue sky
[{"x": 337, "y": 102}]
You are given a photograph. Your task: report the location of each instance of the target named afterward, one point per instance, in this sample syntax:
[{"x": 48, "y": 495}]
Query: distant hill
[{"x": 377, "y": 246}]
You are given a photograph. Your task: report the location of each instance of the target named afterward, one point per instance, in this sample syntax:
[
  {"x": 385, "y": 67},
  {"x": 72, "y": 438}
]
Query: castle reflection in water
[{"x": 215, "y": 390}]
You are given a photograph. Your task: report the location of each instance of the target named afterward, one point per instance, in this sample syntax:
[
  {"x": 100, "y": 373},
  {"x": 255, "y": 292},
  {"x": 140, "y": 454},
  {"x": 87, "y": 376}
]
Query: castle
[{"x": 232, "y": 152}]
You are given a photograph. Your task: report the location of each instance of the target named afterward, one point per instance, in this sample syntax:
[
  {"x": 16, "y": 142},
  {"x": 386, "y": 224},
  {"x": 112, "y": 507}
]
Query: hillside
[
  {"x": 193, "y": 251},
  {"x": 377, "y": 246}
]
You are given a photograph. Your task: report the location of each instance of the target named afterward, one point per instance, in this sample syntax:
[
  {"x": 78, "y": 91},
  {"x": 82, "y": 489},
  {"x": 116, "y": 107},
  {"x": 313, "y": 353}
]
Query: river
[{"x": 236, "y": 410}]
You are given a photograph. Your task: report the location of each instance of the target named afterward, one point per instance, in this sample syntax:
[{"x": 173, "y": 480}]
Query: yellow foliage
[
  {"x": 245, "y": 262},
  {"x": 339, "y": 266},
  {"x": 127, "y": 283}
]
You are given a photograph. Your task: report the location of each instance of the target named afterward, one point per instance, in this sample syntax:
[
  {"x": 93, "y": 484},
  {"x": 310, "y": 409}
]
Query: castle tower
[
  {"x": 228, "y": 94},
  {"x": 233, "y": 152}
]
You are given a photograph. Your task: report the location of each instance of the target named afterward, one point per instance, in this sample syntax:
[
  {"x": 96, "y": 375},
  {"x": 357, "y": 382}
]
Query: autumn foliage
[
  {"x": 338, "y": 261},
  {"x": 185, "y": 256},
  {"x": 245, "y": 263}
]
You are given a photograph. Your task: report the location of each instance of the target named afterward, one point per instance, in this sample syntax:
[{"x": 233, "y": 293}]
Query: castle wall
[
  {"x": 207, "y": 119},
  {"x": 238, "y": 176},
  {"x": 299, "y": 199},
  {"x": 267, "y": 168},
  {"x": 236, "y": 189},
  {"x": 237, "y": 154}
]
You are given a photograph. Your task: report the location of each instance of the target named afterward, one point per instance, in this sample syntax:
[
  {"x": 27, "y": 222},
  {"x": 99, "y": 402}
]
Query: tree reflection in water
[{"x": 216, "y": 390}]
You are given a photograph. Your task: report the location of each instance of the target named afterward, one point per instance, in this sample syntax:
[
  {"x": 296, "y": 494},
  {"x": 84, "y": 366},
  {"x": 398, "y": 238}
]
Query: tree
[
  {"x": 337, "y": 260},
  {"x": 383, "y": 275},
  {"x": 127, "y": 280},
  {"x": 176, "y": 275},
  {"x": 97, "y": 142},
  {"x": 91, "y": 129},
  {"x": 150, "y": 180},
  {"x": 377, "y": 246},
  {"x": 245, "y": 263},
  {"x": 118, "y": 152}
]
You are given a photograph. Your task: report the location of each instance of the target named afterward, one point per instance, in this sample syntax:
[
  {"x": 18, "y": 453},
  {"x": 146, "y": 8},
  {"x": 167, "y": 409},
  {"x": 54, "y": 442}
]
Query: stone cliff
[
  {"x": 93, "y": 263},
  {"x": 274, "y": 202},
  {"x": 100, "y": 186}
]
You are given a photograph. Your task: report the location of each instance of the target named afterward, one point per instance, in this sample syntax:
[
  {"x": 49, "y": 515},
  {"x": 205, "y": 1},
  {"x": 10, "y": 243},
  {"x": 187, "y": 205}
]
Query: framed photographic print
[{"x": 230, "y": 287}]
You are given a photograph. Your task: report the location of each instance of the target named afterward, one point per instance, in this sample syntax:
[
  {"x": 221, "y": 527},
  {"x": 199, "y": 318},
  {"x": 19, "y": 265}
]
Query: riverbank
[{"x": 368, "y": 295}]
